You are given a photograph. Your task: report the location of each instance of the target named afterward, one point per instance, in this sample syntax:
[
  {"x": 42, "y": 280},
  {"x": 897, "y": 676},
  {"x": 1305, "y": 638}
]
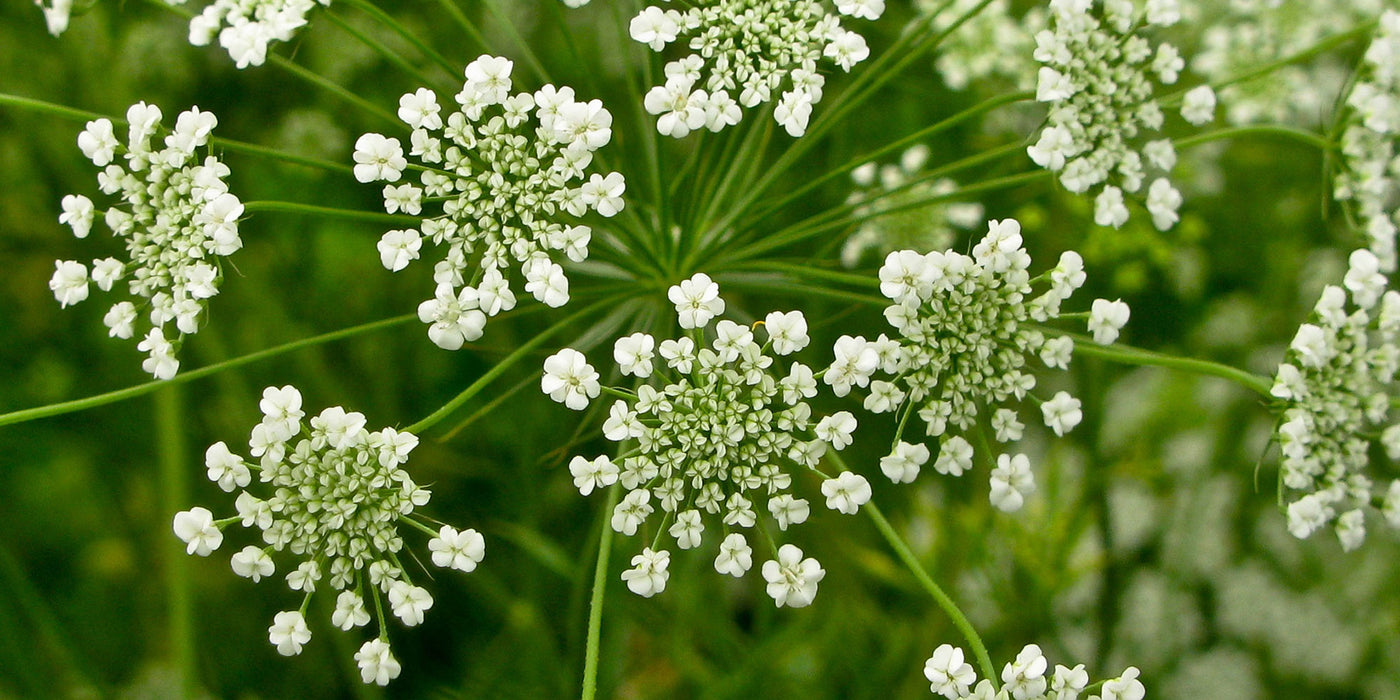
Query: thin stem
[
  {"x": 468, "y": 27},
  {"x": 331, "y": 212},
  {"x": 1287, "y": 132},
  {"x": 174, "y": 481},
  {"x": 378, "y": 47},
  {"x": 387, "y": 20},
  {"x": 529, "y": 53},
  {"x": 57, "y": 409},
  {"x": 500, "y": 367},
  {"x": 979, "y": 650},
  {"x": 334, "y": 89},
  {"x": 1128, "y": 355},
  {"x": 252, "y": 149},
  {"x": 595, "y": 603}
]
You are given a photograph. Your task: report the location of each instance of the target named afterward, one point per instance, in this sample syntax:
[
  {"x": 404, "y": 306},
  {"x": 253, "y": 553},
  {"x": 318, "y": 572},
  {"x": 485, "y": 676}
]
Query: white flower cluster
[
  {"x": 179, "y": 219},
  {"x": 1332, "y": 387},
  {"x": 1026, "y": 678},
  {"x": 56, "y": 14},
  {"x": 338, "y": 496},
  {"x": 1239, "y": 36},
  {"x": 1096, "y": 78},
  {"x": 503, "y": 180},
  {"x": 713, "y": 431},
  {"x": 962, "y": 346},
  {"x": 1371, "y": 178},
  {"x": 246, "y": 28},
  {"x": 931, "y": 227},
  {"x": 743, "y": 52},
  {"x": 993, "y": 45}
]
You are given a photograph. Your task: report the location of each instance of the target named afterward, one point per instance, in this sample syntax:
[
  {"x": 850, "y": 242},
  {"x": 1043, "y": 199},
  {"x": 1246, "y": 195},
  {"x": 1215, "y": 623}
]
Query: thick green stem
[
  {"x": 595, "y": 602},
  {"x": 979, "y": 650},
  {"x": 58, "y": 409},
  {"x": 174, "y": 481},
  {"x": 331, "y": 212}
]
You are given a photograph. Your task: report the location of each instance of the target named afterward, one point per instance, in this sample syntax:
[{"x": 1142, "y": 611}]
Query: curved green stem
[
  {"x": 143, "y": 389},
  {"x": 331, "y": 212},
  {"x": 979, "y": 650},
  {"x": 595, "y": 602},
  {"x": 1128, "y": 355},
  {"x": 334, "y": 89},
  {"x": 174, "y": 482},
  {"x": 395, "y": 26},
  {"x": 378, "y": 47}
]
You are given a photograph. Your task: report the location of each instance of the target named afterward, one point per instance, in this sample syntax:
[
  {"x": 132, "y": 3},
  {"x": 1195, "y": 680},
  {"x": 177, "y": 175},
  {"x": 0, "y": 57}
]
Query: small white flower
[
  {"x": 1351, "y": 529},
  {"x": 569, "y": 379},
  {"x": 631, "y": 512},
  {"x": 98, "y": 142},
  {"x": 78, "y": 213},
  {"x": 735, "y": 556},
  {"x": 225, "y": 468},
  {"x": 648, "y": 574},
  {"x": 1109, "y": 208},
  {"x": 289, "y": 632},
  {"x": 350, "y": 611},
  {"x": 655, "y": 27},
  {"x": 378, "y": 158},
  {"x": 252, "y": 562},
  {"x": 1124, "y": 687},
  {"x": 846, "y": 493},
  {"x": 460, "y": 550},
  {"x": 1162, "y": 203},
  {"x": 903, "y": 464},
  {"x": 792, "y": 580},
  {"x": 788, "y": 510},
  {"x": 1198, "y": 105},
  {"x": 948, "y": 674},
  {"x": 697, "y": 301},
  {"x": 69, "y": 282},
  {"x": 420, "y": 109},
  {"x": 1025, "y": 677},
  {"x": 409, "y": 602},
  {"x": 595, "y": 474},
  {"x": 1106, "y": 319},
  {"x": 786, "y": 331},
  {"x": 687, "y": 530},
  {"x": 634, "y": 354},
  {"x": 1061, "y": 413},
  {"x": 377, "y": 665},
  {"x": 954, "y": 456},
  {"x": 1011, "y": 482},
  {"x": 195, "y": 527},
  {"x": 604, "y": 194},
  {"x": 837, "y": 429}
]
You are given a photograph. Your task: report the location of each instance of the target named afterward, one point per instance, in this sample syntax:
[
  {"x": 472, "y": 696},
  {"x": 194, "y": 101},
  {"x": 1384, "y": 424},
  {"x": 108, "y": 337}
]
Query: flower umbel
[
  {"x": 177, "y": 220},
  {"x": 337, "y": 495},
  {"x": 1029, "y": 677}
]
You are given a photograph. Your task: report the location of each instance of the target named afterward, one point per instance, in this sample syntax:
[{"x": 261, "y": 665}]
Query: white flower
[
  {"x": 569, "y": 379},
  {"x": 69, "y": 282},
  {"x": 1124, "y": 687},
  {"x": 648, "y": 574},
  {"x": 289, "y": 632},
  {"x": 1055, "y": 144},
  {"x": 954, "y": 456},
  {"x": 1011, "y": 482},
  {"x": 793, "y": 112},
  {"x": 196, "y": 528},
  {"x": 546, "y": 281},
  {"x": 56, "y": 14},
  {"x": 409, "y": 602},
  {"x": 846, "y": 493},
  {"x": 837, "y": 429},
  {"x": 854, "y": 362},
  {"x": 1364, "y": 278},
  {"x": 687, "y": 530},
  {"x": 377, "y": 665},
  {"x": 631, "y": 512},
  {"x": 792, "y": 580},
  {"x": 788, "y": 510},
  {"x": 1162, "y": 203},
  {"x": 1025, "y": 677},
  {"x": 1351, "y": 529},
  {"x": 655, "y": 27},
  {"x": 948, "y": 674},
  {"x": 594, "y": 474},
  {"x": 455, "y": 318},
  {"x": 902, "y": 465},
  {"x": 1061, "y": 413},
  {"x": 1106, "y": 319},
  {"x": 735, "y": 557},
  {"x": 786, "y": 331},
  {"x": 490, "y": 76},
  {"x": 634, "y": 354},
  {"x": 420, "y": 109},
  {"x": 604, "y": 194},
  {"x": 1109, "y": 209},
  {"x": 78, "y": 214},
  {"x": 1198, "y": 105},
  {"x": 98, "y": 142},
  {"x": 252, "y": 562},
  {"x": 1306, "y": 515},
  {"x": 225, "y": 468},
  {"x": 378, "y": 158},
  {"x": 349, "y": 611},
  {"x": 864, "y": 9},
  {"x": 697, "y": 301},
  {"x": 460, "y": 550}
]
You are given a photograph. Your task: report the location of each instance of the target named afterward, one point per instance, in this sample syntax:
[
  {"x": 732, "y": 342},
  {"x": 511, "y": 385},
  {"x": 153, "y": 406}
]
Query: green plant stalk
[
  {"x": 174, "y": 481},
  {"x": 494, "y": 8},
  {"x": 468, "y": 27},
  {"x": 82, "y": 115},
  {"x": 506, "y": 363},
  {"x": 378, "y": 47},
  {"x": 595, "y": 602},
  {"x": 810, "y": 272},
  {"x": 396, "y": 27},
  {"x": 332, "y": 212},
  {"x": 1267, "y": 130},
  {"x": 1129, "y": 355},
  {"x": 75, "y": 405}
]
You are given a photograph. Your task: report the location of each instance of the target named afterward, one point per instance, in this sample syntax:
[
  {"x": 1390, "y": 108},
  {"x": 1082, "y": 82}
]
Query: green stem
[
  {"x": 174, "y": 480},
  {"x": 1286, "y": 132},
  {"x": 468, "y": 27},
  {"x": 1321, "y": 47},
  {"x": 514, "y": 34},
  {"x": 57, "y": 409},
  {"x": 331, "y": 212},
  {"x": 979, "y": 650},
  {"x": 395, "y": 26},
  {"x": 82, "y": 115},
  {"x": 1128, "y": 355},
  {"x": 500, "y": 367},
  {"x": 595, "y": 603},
  {"x": 378, "y": 47},
  {"x": 344, "y": 94}
]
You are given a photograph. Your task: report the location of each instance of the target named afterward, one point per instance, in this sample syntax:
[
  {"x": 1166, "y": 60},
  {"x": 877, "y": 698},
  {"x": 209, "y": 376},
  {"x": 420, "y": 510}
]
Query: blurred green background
[{"x": 1154, "y": 539}]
